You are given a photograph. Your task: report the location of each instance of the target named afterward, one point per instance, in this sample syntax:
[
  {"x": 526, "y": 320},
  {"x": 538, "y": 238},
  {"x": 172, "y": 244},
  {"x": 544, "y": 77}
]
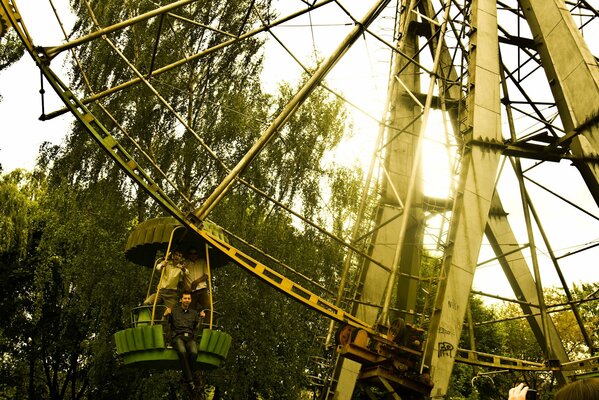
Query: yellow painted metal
[
  {"x": 296, "y": 101},
  {"x": 3, "y": 22},
  {"x": 572, "y": 69},
  {"x": 591, "y": 363},
  {"x": 517, "y": 271},
  {"x": 9, "y": 11},
  {"x": 123, "y": 160},
  {"x": 53, "y": 51},
  {"x": 382, "y": 376},
  {"x": 10, "y": 16},
  {"x": 470, "y": 357},
  {"x": 389, "y": 388},
  {"x": 495, "y": 361},
  {"x": 285, "y": 285},
  {"x": 209, "y": 273},
  {"x": 97, "y": 130},
  {"x": 190, "y": 58},
  {"x": 399, "y": 165}
]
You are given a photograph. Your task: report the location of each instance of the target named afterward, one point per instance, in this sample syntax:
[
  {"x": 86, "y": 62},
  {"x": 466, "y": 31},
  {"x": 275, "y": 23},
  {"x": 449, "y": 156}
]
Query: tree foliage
[
  {"x": 18, "y": 196},
  {"x": 216, "y": 99},
  {"x": 18, "y": 192},
  {"x": 11, "y": 49},
  {"x": 269, "y": 329},
  {"x": 566, "y": 323},
  {"x": 64, "y": 296},
  {"x": 502, "y": 330}
]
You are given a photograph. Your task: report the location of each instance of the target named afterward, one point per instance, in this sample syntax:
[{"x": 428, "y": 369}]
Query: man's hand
[
  {"x": 167, "y": 312},
  {"x": 202, "y": 314},
  {"x": 195, "y": 283},
  {"x": 161, "y": 265},
  {"x": 518, "y": 392}
]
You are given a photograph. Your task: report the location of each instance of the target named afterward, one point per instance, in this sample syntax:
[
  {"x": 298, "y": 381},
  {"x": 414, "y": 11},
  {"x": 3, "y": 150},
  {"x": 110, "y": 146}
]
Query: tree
[
  {"x": 11, "y": 49},
  {"x": 274, "y": 337},
  {"x": 217, "y": 97},
  {"x": 565, "y": 321},
  {"x": 19, "y": 193},
  {"x": 502, "y": 330},
  {"x": 62, "y": 296}
]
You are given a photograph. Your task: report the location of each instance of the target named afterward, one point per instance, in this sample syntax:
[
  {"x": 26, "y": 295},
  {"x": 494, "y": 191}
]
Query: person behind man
[
  {"x": 174, "y": 271},
  {"x": 183, "y": 322},
  {"x": 584, "y": 389},
  {"x": 197, "y": 281}
]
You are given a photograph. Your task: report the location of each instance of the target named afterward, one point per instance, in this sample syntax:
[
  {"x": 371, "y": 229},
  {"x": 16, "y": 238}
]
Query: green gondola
[{"x": 145, "y": 344}]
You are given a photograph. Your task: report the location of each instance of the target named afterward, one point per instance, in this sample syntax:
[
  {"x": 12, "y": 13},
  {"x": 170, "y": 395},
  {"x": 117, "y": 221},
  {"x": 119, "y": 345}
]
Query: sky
[
  {"x": 361, "y": 75},
  {"x": 20, "y": 108}
]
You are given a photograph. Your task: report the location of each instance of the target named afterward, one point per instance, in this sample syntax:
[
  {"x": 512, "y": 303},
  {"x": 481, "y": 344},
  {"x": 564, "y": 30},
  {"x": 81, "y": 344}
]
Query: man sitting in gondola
[{"x": 183, "y": 322}]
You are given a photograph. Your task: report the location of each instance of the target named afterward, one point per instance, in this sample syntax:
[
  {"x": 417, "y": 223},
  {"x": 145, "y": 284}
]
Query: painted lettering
[
  {"x": 452, "y": 304},
  {"x": 444, "y": 331},
  {"x": 445, "y": 349}
]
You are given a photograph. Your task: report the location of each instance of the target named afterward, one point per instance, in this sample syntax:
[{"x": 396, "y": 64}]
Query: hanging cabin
[{"x": 145, "y": 344}]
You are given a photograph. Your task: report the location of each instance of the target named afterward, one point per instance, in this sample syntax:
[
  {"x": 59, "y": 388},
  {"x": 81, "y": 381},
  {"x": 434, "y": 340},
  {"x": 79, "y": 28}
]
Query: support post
[{"x": 475, "y": 190}]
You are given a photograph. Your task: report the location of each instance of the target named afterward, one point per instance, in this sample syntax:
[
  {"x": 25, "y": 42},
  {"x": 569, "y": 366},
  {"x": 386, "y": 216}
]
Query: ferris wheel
[{"x": 484, "y": 163}]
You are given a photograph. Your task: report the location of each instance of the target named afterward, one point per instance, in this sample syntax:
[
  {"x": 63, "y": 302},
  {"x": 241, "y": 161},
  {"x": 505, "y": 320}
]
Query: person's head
[
  {"x": 584, "y": 389},
  {"x": 193, "y": 254},
  {"x": 177, "y": 255},
  {"x": 185, "y": 299}
]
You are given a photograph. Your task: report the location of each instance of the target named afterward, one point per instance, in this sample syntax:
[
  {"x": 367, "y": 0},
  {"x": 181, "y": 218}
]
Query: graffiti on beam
[
  {"x": 453, "y": 304},
  {"x": 445, "y": 349},
  {"x": 444, "y": 331}
]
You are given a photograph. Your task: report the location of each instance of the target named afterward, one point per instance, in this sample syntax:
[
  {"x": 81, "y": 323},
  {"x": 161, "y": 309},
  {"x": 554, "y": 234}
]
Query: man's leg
[
  {"x": 150, "y": 300},
  {"x": 181, "y": 347},
  {"x": 195, "y": 301},
  {"x": 192, "y": 352},
  {"x": 169, "y": 297}
]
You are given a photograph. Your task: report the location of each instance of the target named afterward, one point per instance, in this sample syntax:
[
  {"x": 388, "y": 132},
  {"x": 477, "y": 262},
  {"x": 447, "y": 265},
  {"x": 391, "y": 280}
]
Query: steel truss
[{"x": 508, "y": 92}]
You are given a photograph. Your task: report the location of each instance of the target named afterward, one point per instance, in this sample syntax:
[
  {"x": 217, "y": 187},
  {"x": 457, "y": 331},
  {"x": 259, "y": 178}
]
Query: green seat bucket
[{"x": 143, "y": 346}]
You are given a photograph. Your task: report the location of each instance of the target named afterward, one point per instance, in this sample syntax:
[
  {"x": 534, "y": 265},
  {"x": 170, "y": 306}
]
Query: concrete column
[
  {"x": 475, "y": 190},
  {"x": 573, "y": 74}
]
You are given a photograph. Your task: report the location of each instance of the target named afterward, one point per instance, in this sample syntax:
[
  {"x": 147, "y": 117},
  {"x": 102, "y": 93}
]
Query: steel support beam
[
  {"x": 53, "y": 51},
  {"x": 399, "y": 156},
  {"x": 398, "y": 162},
  {"x": 571, "y": 70},
  {"x": 204, "y": 53},
  {"x": 473, "y": 199},
  {"x": 517, "y": 272}
]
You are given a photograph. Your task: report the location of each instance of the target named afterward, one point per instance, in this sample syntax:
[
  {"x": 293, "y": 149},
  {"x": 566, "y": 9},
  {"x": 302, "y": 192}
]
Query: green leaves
[
  {"x": 502, "y": 330},
  {"x": 18, "y": 199},
  {"x": 11, "y": 49}
]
